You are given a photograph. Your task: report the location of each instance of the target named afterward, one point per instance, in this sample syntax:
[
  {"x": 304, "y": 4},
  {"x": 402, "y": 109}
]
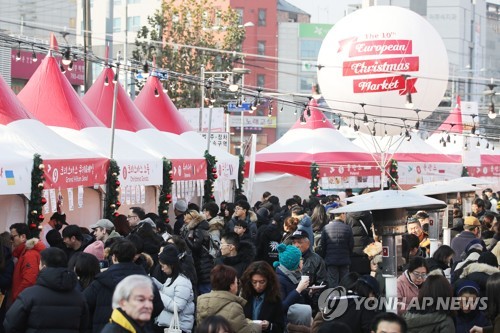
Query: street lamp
[{"x": 242, "y": 71}]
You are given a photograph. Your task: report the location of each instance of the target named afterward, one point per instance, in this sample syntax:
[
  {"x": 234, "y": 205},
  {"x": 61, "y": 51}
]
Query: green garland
[
  {"x": 393, "y": 173},
  {"x": 208, "y": 196},
  {"x": 314, "y": 183},
  {"x": 36, "y": 199},
  {"x": 241, "y": 176},
  {"x": 111, "y": 203},
  {"x": 166, "y": 190}
]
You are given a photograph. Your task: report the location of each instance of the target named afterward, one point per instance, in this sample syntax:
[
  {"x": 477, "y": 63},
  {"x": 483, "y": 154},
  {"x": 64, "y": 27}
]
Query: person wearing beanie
[
  {"x": 469, "y": 314},
  {"x": 180, "y": 208},
  {"x": 97, "y": 249},
  {"x": 288, "y": 269},
  {"x": 177, "y": 290}
]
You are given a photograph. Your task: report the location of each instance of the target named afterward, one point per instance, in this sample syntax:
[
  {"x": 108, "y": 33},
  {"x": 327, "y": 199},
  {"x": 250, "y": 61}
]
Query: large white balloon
[{"x": 376, "y": 56}]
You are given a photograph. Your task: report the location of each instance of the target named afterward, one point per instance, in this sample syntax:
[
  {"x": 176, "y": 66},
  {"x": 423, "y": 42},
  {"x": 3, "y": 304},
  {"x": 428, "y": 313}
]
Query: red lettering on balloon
[{"x": 378, "y": 66}]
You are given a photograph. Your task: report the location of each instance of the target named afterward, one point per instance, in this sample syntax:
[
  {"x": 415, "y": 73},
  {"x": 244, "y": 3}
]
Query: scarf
[{"x": 293, "y": 276}]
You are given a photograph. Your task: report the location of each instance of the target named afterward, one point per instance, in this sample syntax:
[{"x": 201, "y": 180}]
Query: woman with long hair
[
  {"x": 435, "y": 316},
  {"x": 214, "y": 324},
  {"x": 441, "y": 260},
  {"x": 290, "y": 225},
  {"x": 228, "y": 212},
  {"x": 259, "y": 286},
  {"x": 86, "y": 266},
  {"x": 319, "y": 219},
  {"x": 493, "y": 295},
  {"x": 176, "y": 292}
]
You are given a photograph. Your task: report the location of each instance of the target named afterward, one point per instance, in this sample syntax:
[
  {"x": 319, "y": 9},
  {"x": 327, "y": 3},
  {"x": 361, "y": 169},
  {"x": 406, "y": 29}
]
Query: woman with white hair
[{"x": 132, "y": 305}]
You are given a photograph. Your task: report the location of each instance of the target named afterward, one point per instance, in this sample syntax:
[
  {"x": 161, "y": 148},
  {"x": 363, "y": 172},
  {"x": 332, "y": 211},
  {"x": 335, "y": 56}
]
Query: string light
[
  {"x": 33, "y": 55},
  {"x": 106, "y": 80},
  {"x": 18, "y": 53},
  {"x": 157, "y": 94}
]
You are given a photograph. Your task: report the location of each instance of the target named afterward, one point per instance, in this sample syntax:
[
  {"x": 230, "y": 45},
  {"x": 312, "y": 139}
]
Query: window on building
[
  {"x": 133, "y": 23},
  {"x": 117, "y": 24},
  {"x": 306, "y": 84},
  {"x": 239, "y": 12},
  {"x": 261, "y": 80},
  {"x": 261, "y": 47},
  {"x": 309, "y": 49},
  {"x": 292, "y": 17},
  {"x": 262, "y": 17}
]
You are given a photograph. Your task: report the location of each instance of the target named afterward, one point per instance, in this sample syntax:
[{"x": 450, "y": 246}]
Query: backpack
[{"x": 214, "y": 246}]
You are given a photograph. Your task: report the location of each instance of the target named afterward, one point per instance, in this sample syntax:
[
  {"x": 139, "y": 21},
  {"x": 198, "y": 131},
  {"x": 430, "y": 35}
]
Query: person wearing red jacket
[{"x": 27, "y": 252}]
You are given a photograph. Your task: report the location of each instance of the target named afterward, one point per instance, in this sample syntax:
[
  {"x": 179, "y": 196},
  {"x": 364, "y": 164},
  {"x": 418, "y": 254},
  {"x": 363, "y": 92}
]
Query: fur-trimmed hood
[
  {"x": 252, "y": 216},
  {"x": 216, "y": 223},
  {"x": 478, "y": 268},
  {"x": 197, "y": 221},
  {"x": 31, "y": 244}
]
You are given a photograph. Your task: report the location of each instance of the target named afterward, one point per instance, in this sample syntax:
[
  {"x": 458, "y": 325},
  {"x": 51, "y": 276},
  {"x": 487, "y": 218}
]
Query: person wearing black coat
[
  {"x": 268, "y": 238},
  {"x": 100, "y": 292},
  {"x": 53, "y": 304},
  {"x": 337, "y": 243},
  {"x": 237, "y": 254},
  {"x": 195, "y": 234}
]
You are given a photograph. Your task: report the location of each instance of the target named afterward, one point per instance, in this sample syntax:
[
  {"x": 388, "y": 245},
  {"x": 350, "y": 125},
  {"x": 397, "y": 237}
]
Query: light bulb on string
[
  {"x": 33, "y": 55},
  {"x": 157, "y": 93},
  {"x": 106, "y": 81},
  {"x": 18, "y": 53},
  {"x": 63, "y": 70}
]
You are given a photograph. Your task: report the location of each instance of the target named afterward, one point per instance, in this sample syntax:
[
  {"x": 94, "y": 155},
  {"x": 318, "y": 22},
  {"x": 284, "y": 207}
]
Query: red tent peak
[
  {"x": 49, "y": 96},
  {"x": 453, "y": 123},
  {"x": 159, "y": 109},
  {"x": 99, "y": 99},
  {"x": 315, "y": 120},
  {"x": 10, "y": 107}
]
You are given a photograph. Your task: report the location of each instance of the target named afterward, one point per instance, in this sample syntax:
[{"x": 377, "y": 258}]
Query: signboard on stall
[{"x": 75, "y": 172}]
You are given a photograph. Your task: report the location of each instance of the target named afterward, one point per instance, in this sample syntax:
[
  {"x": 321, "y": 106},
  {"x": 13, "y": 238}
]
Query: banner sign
[
  {"x": 140, "y": 173},
  {"x": 75, "y": 172},
  {"x": 189, "y": 169}
]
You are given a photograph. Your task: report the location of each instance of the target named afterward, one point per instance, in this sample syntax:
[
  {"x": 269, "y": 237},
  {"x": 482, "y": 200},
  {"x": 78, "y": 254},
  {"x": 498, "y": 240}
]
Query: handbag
[{"x": 175, "y": 325}]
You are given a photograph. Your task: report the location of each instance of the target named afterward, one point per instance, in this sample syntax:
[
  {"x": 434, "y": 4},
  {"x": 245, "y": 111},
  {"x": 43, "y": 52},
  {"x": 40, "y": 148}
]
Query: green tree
[{"x": 189, "y": 24}]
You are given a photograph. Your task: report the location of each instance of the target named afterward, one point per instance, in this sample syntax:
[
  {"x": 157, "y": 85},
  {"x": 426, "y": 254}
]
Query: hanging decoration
[
  {"x": 211, "y": 177},
  {"x": 36, "y": 199},
  {"x": 111, "y": 203},
  {"x": 241, "y": 176},
  {"x": 465, "y": 172},
  {"x": 314, "y": 183},
  {"x": 166, "y": 191},
  {"x": 393, "y": 175}
]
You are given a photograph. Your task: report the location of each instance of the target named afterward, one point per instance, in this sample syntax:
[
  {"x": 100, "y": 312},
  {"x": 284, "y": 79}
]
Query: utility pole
[{"x": 87, "y": 43}]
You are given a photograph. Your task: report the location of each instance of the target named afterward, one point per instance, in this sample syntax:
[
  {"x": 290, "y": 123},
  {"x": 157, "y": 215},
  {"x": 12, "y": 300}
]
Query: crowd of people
[{"x": 237, "y": 268}]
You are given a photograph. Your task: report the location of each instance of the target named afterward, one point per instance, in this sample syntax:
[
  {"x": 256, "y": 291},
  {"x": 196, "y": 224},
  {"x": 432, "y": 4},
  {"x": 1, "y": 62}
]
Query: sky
[{"x": 324, "y": 11}]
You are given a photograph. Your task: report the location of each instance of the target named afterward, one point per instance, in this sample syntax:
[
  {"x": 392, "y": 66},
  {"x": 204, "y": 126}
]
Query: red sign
[
  {"x": 385, "y": 251},
  {"x": 355, "y": 169},
  {"x": 378, "y": 47},
  {"x": 189, "y": 169},
  {"x": 75, "y": 172},
  {"x": 378, "y": 66},
  {"x": 25, "y": 67},
  {"x": 385, "y": 84}
]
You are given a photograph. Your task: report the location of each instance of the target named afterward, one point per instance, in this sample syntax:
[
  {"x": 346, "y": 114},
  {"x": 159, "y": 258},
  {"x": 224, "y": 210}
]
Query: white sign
[
  {"x": 220, "y": 140},
  {"x": 253, "y": 121},
  {"x": 140, "y": 173},
  {"x": 192, "y": 115}
]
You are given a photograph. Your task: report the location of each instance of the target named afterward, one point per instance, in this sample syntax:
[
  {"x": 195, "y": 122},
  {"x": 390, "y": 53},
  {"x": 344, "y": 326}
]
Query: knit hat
[
  {"x": 475, "y": 244},
  {"x": 488, "y": 258},
  {"x": 96, "y": 249},
  {"x": 288, "y": 257},
  {"x": 463, "y": 285},
  {"x": 169, "y": 255},
  {"x": 181, "y": 206},
  {"x": 371, "y": 282}
]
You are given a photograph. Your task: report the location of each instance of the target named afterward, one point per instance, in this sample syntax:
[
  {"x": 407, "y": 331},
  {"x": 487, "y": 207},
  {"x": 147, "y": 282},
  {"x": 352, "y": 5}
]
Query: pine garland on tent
[
  {"x": 393, "y": 174},
  {"x": 314, "y": 184},
  {"x": 166, "y": 190},
  {"x": 211, "y": 177},
  {"x": 241, "y": 176},
  {"x": 112, "y": 191},
  {"x": 36, "y": 199}
]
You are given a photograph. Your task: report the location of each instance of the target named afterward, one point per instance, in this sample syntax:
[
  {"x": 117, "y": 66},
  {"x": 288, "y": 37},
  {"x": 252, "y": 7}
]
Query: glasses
[{"x": 421, "y": 276}]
